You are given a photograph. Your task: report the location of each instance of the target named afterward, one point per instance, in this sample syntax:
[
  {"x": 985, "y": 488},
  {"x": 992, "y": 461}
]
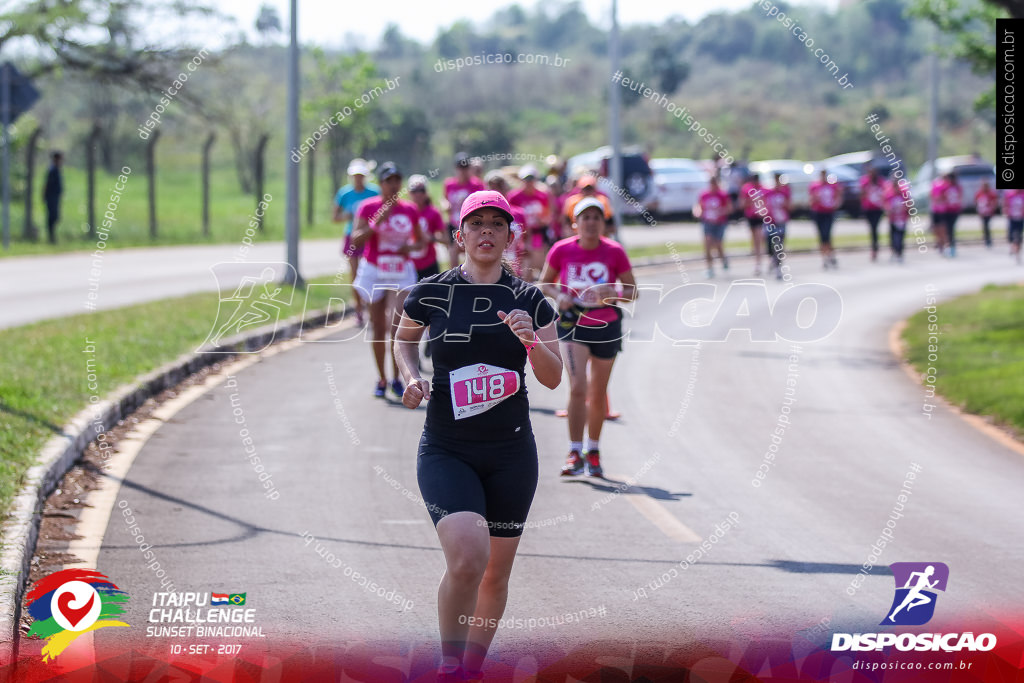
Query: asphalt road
[
  {"x": 696, "y": 425},
  {"x": 39, "y": 287}
]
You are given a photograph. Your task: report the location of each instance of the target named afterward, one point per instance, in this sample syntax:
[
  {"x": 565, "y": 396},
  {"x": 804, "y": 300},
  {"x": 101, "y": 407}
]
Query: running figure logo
[
  {"x": 916, "y": 586},
  {"x": 257, "y": 301}
]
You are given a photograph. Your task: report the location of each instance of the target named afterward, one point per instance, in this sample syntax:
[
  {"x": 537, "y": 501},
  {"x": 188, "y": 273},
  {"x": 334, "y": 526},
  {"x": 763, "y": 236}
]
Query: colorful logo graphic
[
  {"x": 916, "y": 586},
  {"x": 68, "y": 603}
]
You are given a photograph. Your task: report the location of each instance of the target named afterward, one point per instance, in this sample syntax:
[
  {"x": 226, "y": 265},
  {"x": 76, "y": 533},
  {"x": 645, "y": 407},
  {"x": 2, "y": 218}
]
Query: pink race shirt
[
  {"x": 824, "y": 196},
  {"x": 1013, "y": 201},
  {"x": 535, "y": 205},
  {"x": 953, "y": 197},
  {"x": 776, "y": 200},
  {"x": 390, "y": 234},
  {"x": 431, "y": 224},
  {"x": 747, "y": 191},
  {"x": 872, "y": 194},
  {"x": 896, "y": 207},
  {"x": 456, "y": 193},
  {"x": 580, "y": 269},
  {"x": 939, "y": 196},
  {"x": 986, "y": 202},
  {"x": 714, "y": 206}
]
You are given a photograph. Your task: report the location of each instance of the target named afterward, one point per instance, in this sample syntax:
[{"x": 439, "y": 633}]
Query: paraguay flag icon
[{"x": 917, "y": 584}]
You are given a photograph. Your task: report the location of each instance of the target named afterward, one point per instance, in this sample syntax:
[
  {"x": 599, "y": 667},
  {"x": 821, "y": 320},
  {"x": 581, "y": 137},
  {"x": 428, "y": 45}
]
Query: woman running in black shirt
[{"x": 477, "y": 460}]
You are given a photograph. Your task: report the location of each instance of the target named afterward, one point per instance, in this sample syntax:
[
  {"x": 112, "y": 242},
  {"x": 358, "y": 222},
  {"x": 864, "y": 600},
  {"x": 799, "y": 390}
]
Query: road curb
[{"x": 21, "y": 529}]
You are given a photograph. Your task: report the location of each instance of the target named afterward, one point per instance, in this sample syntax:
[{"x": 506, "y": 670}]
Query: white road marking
[{"x": 656, "y": 513}]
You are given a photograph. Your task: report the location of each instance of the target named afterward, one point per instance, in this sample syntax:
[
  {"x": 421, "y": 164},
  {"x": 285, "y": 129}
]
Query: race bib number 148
[{"x": 478, "y": 388}]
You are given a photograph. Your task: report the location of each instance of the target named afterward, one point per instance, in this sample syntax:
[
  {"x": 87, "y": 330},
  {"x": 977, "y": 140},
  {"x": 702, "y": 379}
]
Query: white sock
[
  {"x": 576, "y": 446},
  {"x": 592, "y": 445}
]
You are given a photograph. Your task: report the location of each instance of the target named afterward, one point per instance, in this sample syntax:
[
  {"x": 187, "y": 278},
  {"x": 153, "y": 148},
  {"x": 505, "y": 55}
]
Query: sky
[{"x": 325, "y": 22}]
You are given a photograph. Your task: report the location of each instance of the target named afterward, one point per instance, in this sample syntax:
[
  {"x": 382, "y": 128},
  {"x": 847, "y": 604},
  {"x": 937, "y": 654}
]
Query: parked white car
[
  {"x": 677, "y": 185},
  {"x": 797, "y": 174}
]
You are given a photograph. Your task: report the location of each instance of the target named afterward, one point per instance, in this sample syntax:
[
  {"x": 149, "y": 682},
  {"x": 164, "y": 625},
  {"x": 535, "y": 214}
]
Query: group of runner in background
[
  {"x": 391, "y": 243},
  {"x": 561, "y": 241}
]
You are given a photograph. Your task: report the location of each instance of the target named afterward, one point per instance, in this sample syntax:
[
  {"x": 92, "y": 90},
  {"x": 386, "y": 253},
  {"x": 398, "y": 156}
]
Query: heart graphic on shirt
[{"x": 597, "y": 273}]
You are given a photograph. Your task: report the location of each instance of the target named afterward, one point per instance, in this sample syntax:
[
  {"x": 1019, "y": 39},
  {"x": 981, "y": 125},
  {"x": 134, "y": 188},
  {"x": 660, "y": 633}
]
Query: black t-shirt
[{"x": 467, "y": 337}]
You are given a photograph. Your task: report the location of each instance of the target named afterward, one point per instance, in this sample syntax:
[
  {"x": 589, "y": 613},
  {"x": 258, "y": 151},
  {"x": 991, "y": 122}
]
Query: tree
[
  {"x": 268, "y": 22},
  {"x": 64, "y": 36},
  {"x": 337, "y": 83},
  {"x": 665, "y": 66},
  {"x": 254, "y": 108},
  {"x": 972, "y": 27}
]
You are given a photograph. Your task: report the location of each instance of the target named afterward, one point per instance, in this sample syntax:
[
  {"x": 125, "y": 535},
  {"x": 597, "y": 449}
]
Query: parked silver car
[
  {"x": 970, "y": 171},
  {"x": 677, "y": 185}
]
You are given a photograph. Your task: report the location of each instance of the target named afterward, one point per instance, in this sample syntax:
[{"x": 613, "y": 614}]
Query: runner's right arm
[
  {"x": 361, "y": 232},
  {"x": 407, "y": 355}
]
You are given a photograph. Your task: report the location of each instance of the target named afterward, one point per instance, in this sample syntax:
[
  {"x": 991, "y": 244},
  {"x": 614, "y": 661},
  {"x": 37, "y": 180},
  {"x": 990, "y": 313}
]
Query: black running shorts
[{"x": 495, "y": 479}]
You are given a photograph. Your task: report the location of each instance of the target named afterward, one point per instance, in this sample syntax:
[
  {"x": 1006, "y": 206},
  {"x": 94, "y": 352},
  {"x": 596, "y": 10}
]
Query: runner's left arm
[{"x": 541, "y": 345}]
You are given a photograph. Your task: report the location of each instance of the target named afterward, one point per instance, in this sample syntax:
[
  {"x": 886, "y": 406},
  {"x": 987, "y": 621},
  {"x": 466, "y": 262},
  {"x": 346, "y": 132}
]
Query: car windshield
[
  {"x": 679, "y": 170},
  {"x": 974, "y": 172}
]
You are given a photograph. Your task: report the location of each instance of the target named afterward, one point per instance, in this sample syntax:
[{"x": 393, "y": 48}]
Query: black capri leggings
[
  {"x": 874, "y": 216},
  {"x": 495, "y": 479},
  {"x": 824, "y": 220}
]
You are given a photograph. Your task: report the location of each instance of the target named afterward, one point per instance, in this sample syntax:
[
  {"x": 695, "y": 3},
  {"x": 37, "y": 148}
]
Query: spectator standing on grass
[
  {"x": 713, "y": 208},
  {"x": 986, "y": 200},
  {"x": 938, "y": 197},
  {"x": 953, "y": 197},
  {"x": 53, "y": 189},
  {"x": 346, "y": 201},
  {"x": 1013, "y": 207},
  {"x": 456, "y": 189},
  {"x": 826, "y": 197},
  {"x": 898, "y": 215},
  {"x": 751, "y": 191},
  {"x": 872, "y": 201}
]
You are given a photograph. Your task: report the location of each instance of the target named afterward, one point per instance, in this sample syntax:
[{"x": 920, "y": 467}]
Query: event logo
[
  {"x": 914, "y": 605},
  {"x": 68, "y": 603},
  {"x": 916, "y": 583}
]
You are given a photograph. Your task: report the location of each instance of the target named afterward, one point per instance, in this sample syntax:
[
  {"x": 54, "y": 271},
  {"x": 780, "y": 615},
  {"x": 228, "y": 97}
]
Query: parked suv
[{"x": 637, "y": 181}]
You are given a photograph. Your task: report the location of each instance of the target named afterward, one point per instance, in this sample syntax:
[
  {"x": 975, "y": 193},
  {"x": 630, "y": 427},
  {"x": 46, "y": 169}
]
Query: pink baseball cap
[{"x": 486, "y": 199}]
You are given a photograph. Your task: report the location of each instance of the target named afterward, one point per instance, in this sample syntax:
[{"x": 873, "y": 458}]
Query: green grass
[
  {"x": 980, "y": 357},
  {"x": 178, "y": 201},
  {"x": 44, "y": 373}
]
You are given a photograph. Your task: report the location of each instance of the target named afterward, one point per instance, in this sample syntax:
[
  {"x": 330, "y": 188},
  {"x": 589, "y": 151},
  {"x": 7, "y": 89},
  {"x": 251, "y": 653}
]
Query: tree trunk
[
  {"x": 206, "y": 182},
  {"x": 310, "y": 185},
  {"x": 151, "y": 180},
  {"x": 260, "y": 148},
  {"x": 90, "y": 177},
  {"x": 334, "y": 159},
  {"x": 29, "y": 231},
  {"x": 243, "y": 161}
]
